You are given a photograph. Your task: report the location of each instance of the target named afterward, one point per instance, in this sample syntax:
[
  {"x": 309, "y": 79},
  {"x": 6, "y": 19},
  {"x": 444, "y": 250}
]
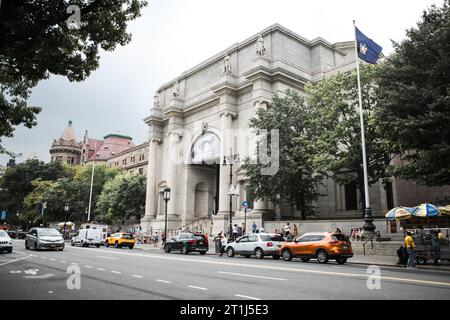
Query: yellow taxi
[{"x": 120, "y": 239}]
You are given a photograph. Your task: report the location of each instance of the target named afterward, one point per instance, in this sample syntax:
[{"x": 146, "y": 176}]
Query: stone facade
[
  {"x": 66, "y": 149},
  {"x": 214, "y": 101},
  {"x": 133, "y": 160}
]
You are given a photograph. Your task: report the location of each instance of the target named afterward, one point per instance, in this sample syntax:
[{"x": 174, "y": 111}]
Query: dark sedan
[{"x": 187, "y": 242}]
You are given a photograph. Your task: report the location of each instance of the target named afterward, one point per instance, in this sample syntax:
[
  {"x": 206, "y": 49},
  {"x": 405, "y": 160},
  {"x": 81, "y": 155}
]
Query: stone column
[
  {"x": 172, "y": 164},
  {"x": 151, "y": 194},
  {"x": 226, "y": 119}
]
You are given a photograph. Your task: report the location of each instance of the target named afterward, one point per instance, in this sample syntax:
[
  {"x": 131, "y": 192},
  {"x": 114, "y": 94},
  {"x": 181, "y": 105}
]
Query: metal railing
[{"x": 365, "y": 242}]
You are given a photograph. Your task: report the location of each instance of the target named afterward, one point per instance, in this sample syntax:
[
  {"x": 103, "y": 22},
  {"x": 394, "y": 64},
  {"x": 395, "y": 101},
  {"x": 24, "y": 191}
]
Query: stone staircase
[
  {"x": 383, "y": 248},
  {"x": 203, "y": 225}
]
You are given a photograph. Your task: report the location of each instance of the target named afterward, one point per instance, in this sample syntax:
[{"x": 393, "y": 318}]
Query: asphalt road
[{"x": 109, "y": 273}]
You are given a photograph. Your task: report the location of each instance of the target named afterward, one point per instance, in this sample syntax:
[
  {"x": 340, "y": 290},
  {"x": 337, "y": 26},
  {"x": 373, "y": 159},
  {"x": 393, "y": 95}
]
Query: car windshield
[
  {"x": 269, "y": 237},
  {"x": 339, "y": 237},
  {"x": 48, "y": 232},
  {"x": 3, "y": 233},
  {"x": 127, "y": 236},
  {"x": 199, "y": 237}
]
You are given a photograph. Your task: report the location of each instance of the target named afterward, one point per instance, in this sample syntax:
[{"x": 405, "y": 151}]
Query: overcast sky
[{"x": 173, "y": 35}]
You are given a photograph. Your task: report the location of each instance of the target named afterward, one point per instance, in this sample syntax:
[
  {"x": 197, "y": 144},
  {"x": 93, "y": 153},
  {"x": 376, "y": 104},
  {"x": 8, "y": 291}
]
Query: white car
[
  {"x": 260, "y": 245},
  {"x": 5, "y": 242},
  {"x": 87, "y": 237},
  {"x": 44, "y": 238}
]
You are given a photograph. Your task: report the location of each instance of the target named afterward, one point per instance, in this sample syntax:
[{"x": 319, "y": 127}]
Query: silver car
[
  {"x": 5, "y": 242},
  {"x": 260, "y": 245},
  {"x": 44, "y": 238}
]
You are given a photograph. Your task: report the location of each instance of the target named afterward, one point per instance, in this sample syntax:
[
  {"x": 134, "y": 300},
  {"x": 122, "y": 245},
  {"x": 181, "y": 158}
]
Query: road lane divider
[
  {"x": 163, "y": 281},
  {"x": 251, "y": 276},
  {"x": 137, "y": 276},
  {"x": 198, "y": 288},
  {"x": 246, "y": 297},
  {"x": 116, "y": 272},
  {"x": 15, "y": 260}
]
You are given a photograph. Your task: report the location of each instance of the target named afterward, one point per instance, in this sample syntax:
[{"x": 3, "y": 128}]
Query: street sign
[
  {"x": 245, "y": 204},
  {"x": 233, "y": 190},
  {"x": 4, "y": 215}
]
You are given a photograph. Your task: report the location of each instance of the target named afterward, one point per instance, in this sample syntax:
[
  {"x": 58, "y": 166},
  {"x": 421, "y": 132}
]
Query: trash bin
[{"x": 218, "y": 244}]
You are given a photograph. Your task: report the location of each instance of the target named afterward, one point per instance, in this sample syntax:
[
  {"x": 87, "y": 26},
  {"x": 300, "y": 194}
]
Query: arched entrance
[{"x": 202, "y": 200}]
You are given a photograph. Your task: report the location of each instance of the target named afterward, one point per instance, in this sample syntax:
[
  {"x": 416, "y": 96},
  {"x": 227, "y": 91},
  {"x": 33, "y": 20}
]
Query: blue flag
[{"x": 368, "y": 50}]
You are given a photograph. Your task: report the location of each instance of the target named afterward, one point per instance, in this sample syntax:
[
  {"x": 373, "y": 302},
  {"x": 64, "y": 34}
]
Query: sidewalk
[{"x": 383, "y": 261}]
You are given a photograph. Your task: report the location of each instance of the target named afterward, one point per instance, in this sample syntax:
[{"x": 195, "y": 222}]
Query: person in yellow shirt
[{"x": 409, "y": 244}]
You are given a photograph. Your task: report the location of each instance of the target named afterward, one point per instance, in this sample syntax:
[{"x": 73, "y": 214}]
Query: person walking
[
  {"x": 235, "y": 232},
  {"x": 254, "y": 227},
  {"x": 223, "y": 243},
  {"x": 409, "y": 244},
  {"x": 436, "y": 247},
  {"x": 287, "y": 228}
]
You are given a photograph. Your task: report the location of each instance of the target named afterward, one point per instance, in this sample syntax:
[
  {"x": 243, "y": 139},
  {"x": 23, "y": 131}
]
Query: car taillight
[
  {"x": 269, "y": 244},
  {"x": 192, "y": 241}
]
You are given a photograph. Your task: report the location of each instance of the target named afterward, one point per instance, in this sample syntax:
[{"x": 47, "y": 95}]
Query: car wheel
[
  {"x": 97, "y": 245},
  {"x": 116, "y": 244},
  {"x": 202, "y": 253},
  {"x": 259, "y": 253},
  {"x": 166, "y": 249},
  {"x": 341, "y": 260},
  {"x": 26, "y": 245},
  {"x": 287, "y": 255},
  {"x": 421, "y": 260},
  {"x": 36, "y": 247},
  {"x": 71, "y": 243},
  {"x": 9, "y": 250},
  {"x": 131, "y": 247},
  {"x": 322, "y": 256},
  {"x": 106, "y": 244},
  {"x": 184, "y": 250},
  {"x": 276, "y": 257},
  {"x": 61, "y": 249},
  {"x": 230, "y": 252},
  {"x": 305, "y": 259}
]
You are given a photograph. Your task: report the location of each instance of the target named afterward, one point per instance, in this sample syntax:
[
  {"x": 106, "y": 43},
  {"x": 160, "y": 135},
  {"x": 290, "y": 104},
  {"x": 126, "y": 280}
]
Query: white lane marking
[
  {"x": 89, "y": 267},
  {"x": 101, "y": 269},
  {"x": 117, "y": 272},
  {"x": 112, "y": 258},
  {"x": 15, "y": 271},
  {"x": 265, "y": 267},
  {"x": 199, "y": 288},
  {"x": 246, "y": 297},
  {"x": 52, "y": 259},
  {"x": 137, "y": 276},
  {"x": 43, "y": 258},
  {"x": 15, "y": 251},
  {"x": 45, "y": 276},
  {"x": 250, "y": 275},
  {"x": 163, "y": 281},
  {"x": 63, "y": 261},
  {"x": 11, "y": 261},
  {"x": 74, "y": 263},
  {"x": 50, "y": 292}
]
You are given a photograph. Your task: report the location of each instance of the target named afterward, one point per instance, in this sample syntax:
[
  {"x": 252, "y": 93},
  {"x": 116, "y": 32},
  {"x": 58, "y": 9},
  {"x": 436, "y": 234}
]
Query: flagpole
[
  {"x": 368, "y": 227},
  {"x": 92, "y": 181}
]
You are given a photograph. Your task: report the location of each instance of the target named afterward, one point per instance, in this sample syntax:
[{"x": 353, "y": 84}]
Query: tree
[
  {"x": 122, "y": 198},
  {"x": 414, "y": 100},
  {"x": 335, "y": 108},
  {"x": 299, "y": 178},
  {"x": 18, "y": 181},
  {"x": 36, "y": 41}
]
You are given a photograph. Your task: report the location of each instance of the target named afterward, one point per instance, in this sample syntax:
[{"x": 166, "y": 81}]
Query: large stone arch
[
  {"x": 201, "y": 200},
  {"x": 211, "y": 135}
]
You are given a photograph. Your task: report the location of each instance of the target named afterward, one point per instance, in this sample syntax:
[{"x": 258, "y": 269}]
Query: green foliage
[
  {"x": 18, "y": 181},
  {"x": 335, "y": 112},
  {"x": 122, "y": 198},
  {"x": 414, "y": 108},
  {"x": 35, "y": 42},
  {"x": 299, "y": 177}
]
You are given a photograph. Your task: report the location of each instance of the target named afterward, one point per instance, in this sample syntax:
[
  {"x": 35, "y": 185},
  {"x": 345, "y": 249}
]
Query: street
[{"x": 109, "y": 273}]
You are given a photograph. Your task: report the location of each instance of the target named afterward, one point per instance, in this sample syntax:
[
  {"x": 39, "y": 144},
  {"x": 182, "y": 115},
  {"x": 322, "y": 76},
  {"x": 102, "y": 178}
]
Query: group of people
[{"x": 356, "y": 234}]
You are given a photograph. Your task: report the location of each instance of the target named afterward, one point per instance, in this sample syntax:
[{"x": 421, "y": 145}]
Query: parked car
[
  {"x": 21, "y": 234},
  {"x": 44, "y": 238},
  {"x": 5, "y": 242},
  {"x": 260, "y": 245},
  {"x": 120, "y": 239},
  {"x": 322, "y": 246},
  {"x": 187, "y": 242},
  {"x": 87, "y": 237}
]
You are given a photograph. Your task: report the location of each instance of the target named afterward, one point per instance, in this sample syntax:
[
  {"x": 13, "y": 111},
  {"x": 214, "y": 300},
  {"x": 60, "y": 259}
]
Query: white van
[{"x": 87, "y": 237}]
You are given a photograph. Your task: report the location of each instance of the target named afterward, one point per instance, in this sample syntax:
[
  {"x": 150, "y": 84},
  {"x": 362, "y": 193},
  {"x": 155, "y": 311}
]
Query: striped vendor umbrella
[
  {"x": 425, "y": 210},
  {"x": 399, "y": 213},
  {"x": 444, "y": 210}
]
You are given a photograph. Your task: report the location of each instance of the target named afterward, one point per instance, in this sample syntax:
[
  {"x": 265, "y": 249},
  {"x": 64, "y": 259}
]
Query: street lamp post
[
  {"x": 231, "y": 159},
  {"x": 66, "y": 211},
  {"x": 166, "y": 199}
]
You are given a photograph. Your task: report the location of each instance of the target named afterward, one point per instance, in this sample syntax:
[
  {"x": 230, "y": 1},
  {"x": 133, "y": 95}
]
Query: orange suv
[{"x": 322, "y": 246}]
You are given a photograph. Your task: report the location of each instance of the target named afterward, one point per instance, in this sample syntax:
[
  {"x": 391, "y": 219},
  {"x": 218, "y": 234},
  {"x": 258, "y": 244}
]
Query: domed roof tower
[{"x": 66, "y": 148}]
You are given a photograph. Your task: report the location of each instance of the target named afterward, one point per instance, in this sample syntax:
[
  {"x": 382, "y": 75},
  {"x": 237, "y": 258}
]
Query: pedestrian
[
  {"x": 436, "y": 247},
  {"x": 244, "y": 229},
  {"x": 254, "y": 227},
  {"x": 409, "y": 244},
  {"x": 338, "y": 231},
  {"x": 156, "y": 240},
  {"x": 235, "y": 232},
  {"x": 223, "y": 244},
  {"x": 440, "y": 235},
  {"x": 295, "y": 231},
  {"x": 287, "y": 229}
]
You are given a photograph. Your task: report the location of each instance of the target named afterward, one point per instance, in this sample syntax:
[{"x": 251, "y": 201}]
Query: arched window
[{"x": 206, "y": 149}]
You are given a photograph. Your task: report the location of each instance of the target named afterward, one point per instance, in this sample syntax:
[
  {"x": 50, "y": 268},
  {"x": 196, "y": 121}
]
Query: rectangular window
[{"x": 351, "y": 198}]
